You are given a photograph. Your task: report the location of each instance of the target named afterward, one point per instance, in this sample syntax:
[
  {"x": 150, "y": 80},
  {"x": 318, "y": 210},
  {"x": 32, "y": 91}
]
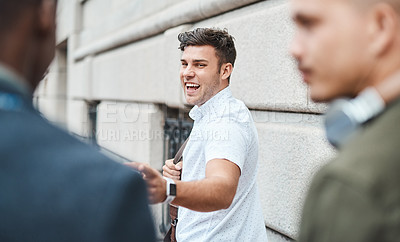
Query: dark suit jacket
[
  {"x": 356, "y": 197},
  {"x": 55, "y": 188}
]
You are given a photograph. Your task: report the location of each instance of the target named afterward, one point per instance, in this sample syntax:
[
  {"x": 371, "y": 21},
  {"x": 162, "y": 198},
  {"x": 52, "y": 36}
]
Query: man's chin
[
  {"x": 321, "y": 97},
  {"x": 190, "y": 100},
  {"x": 318, "y": 99}
]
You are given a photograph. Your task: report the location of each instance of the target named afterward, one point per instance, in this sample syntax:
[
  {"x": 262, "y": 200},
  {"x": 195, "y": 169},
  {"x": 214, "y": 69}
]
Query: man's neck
[
  {"x": 219, "y": 90},
  {"x": 389, "y": 88}
]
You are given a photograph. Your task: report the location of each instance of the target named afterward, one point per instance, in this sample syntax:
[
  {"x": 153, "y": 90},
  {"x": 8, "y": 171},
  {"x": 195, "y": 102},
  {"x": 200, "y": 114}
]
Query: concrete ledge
[
  {"x": 80, "y": 83},
  {"x": 185, "y": 12},
  {"x": 275, "y": 237},
  {"x": 133, "y": 72},
  {"x": 77, "y": 118}
]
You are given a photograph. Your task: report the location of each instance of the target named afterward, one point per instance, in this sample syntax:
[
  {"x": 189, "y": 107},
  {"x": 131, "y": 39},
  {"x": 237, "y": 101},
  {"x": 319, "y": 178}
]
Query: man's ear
[
  {"x": 47, "y": 16},
  {"x": 384, "y": 24},
  {"x": 226, "y": 70}
]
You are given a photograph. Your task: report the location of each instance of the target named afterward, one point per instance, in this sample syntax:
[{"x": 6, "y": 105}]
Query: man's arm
[
  {"x": 216, "y": 191},
  {"x": 213, "y": 193}
]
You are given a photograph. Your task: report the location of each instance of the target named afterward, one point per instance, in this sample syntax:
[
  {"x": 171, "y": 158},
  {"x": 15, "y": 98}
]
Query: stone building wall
[{"x": 119, "y": 59}]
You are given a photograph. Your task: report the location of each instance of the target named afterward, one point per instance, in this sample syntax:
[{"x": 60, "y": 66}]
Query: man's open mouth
[{"x": 192, "y": 86}]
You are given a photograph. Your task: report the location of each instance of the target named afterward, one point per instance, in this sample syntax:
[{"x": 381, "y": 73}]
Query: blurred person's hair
[
  {"x": 217, "y": 38},
  {"x": 12, "y": 10}
]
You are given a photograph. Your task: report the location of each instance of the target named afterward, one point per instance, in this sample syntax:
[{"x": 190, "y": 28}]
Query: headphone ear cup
[
  {"x": 339, "y": 123},
  {"x": 345, "y": 116}
]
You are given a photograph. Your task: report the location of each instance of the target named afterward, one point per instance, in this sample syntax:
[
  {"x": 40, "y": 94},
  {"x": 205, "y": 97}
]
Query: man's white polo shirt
[{"x": 223, "y": 128}]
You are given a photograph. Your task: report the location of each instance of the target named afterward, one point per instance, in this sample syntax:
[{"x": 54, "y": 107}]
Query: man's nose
[
  {"x": 296, "y": 49},
  {"x": 188, "y": 72}
]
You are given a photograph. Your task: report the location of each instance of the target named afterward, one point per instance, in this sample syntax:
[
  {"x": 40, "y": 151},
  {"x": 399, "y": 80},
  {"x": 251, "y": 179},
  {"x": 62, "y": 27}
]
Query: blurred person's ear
[
  {"x": 47, "y": 16},
  {"x": 41, "y": 48},
  {"x": 383, "y": 28}
]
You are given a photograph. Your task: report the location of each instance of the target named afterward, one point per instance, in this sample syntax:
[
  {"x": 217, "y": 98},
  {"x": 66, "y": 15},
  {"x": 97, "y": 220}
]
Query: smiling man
[
  {"x": 217, "y": 197},
  {"x": 351, "y": 48}
]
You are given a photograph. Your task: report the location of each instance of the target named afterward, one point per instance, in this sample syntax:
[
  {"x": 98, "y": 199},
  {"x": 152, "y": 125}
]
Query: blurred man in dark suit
[
  {"x": 351, "y": 49},
  {"x": 53, "y": 187}
]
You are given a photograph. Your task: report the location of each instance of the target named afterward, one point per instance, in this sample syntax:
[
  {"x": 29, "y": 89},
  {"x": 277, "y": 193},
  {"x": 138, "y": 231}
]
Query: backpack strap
[{"x": 173, "y": 211}]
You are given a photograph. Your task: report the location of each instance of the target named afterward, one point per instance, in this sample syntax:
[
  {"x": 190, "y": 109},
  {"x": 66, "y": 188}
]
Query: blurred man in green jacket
[{"x": 351, "y": 48}]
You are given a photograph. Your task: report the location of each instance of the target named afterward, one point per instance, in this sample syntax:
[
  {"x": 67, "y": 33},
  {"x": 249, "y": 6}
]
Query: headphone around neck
[{"x": 345, "y": 116}]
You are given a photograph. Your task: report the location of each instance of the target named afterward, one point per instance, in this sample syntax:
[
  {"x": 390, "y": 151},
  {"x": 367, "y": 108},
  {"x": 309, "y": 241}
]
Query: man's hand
[
  {"x": 171, "y": 170},
  {"x": 216, "y": 191},
  {"x": 156, "y": 185}
]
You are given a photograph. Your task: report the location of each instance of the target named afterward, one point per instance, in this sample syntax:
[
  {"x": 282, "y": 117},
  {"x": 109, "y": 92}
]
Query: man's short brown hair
[{"x": 217, "y": 38}]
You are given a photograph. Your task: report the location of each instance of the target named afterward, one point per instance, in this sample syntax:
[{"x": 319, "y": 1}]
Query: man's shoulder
[
  {"x": 53, "y": 149},
  {"x": 65, "y": 180},
  {"x": 370, "y": 163},
  {"x": 234, "y": 111},
  {"x": 374, "y": 150},
  {"x": 364, "y": 177},
  {"x": 233, "y": 117}
]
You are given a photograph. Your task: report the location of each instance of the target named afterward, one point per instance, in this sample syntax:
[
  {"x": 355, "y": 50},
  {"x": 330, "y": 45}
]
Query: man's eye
[
  {"x": 184, "y": 64},
  {"x": 201, "y": 65},
  {"x": 307, "y": 23}
]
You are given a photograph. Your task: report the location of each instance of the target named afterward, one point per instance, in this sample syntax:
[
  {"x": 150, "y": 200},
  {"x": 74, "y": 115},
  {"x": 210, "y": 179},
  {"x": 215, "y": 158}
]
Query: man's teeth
[{"x": 192, "y": 85}]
